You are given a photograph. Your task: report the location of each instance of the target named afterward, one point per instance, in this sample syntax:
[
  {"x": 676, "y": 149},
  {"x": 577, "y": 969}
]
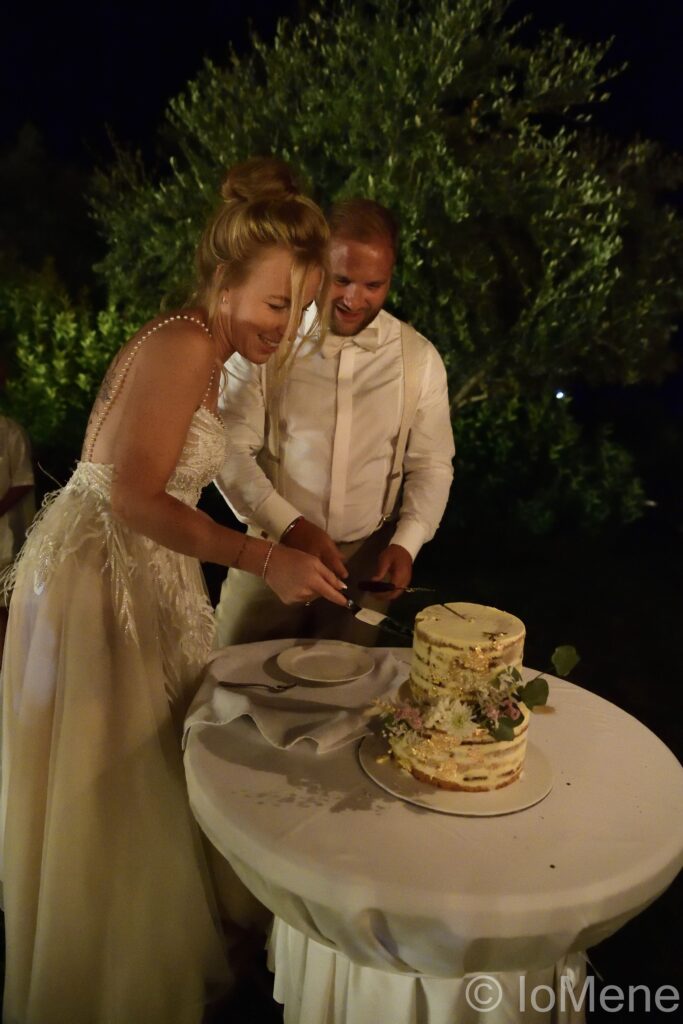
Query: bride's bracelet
[{"x": 267, "y": 560}]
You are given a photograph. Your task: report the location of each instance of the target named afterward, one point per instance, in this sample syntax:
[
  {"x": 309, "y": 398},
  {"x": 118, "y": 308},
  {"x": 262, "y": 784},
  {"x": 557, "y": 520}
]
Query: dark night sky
[{"x": 73, "y": 68}]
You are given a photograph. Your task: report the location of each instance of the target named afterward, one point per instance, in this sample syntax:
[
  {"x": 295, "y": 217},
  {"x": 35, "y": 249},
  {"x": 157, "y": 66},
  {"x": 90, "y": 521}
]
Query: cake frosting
[{"x": 461, "y": 720}]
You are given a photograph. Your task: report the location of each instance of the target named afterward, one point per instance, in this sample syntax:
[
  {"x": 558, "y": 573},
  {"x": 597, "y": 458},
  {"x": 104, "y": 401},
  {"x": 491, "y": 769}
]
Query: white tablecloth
[
  {"x": 404, "y": 890},
  {"x": 329, "y": 716}
]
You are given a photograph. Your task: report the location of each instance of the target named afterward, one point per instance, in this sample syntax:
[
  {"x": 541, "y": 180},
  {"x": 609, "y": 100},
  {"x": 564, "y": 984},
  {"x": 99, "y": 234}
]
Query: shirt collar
[{"x": 367, "y": 339}]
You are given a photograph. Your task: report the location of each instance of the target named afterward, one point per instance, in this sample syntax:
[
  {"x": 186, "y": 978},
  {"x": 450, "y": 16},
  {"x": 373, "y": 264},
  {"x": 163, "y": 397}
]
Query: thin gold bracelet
[{"x": 267, "y": 560}]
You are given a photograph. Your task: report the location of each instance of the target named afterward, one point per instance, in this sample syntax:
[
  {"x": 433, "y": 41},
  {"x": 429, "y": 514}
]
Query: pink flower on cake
[
  {"x": 510, "y": 709},
  {"x": 410, "y": 715}
]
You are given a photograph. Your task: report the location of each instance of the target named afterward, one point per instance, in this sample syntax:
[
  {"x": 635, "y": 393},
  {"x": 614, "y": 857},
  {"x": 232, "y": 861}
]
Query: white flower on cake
[{"x": 450, "y": 715}]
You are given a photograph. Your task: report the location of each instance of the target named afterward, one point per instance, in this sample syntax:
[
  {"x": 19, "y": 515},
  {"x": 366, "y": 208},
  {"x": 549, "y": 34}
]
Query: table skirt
[{"x": 319, "y": 985}]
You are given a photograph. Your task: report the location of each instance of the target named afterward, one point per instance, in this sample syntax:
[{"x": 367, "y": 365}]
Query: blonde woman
[{"x": 108, "y": 914}]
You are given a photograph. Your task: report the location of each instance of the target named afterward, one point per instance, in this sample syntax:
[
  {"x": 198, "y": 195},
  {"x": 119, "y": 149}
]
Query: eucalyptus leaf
[
  {"x": 564, "y": 659},
  {"x": 504, "y": 730},
  {"x": 535, "y": 692}
]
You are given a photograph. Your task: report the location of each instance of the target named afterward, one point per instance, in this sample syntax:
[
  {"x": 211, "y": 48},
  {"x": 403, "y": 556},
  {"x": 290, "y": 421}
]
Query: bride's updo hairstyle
[{"x": 262, "y": 207}]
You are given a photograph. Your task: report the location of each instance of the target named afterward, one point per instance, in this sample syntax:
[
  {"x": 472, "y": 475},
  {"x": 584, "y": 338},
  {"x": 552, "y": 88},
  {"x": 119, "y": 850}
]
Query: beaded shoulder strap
[
  {"x": 207, "y": 393},
  {"x": 123, "y": 373}
]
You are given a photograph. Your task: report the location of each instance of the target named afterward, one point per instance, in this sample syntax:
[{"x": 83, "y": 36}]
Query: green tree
[
  {"x": 59, "y": 352},
  {"x": 534, "y": 254}
]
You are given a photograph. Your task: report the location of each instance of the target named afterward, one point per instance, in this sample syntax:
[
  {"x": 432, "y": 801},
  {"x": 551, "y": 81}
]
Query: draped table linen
[{"x": 329, "y": 715}]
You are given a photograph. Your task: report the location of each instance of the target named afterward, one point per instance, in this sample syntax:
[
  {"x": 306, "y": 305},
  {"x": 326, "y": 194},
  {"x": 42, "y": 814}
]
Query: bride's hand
[{"x": 296, "y": 576}]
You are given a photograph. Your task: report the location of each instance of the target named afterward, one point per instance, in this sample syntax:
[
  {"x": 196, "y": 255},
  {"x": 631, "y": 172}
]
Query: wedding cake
[{"x": 461, "y": 720}]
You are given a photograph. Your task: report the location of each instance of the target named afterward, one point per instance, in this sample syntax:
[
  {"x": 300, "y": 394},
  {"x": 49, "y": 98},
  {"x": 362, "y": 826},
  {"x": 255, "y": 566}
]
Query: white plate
[
  {"x": 535, "y": 783},
  {"x": 326, "y": 661}
]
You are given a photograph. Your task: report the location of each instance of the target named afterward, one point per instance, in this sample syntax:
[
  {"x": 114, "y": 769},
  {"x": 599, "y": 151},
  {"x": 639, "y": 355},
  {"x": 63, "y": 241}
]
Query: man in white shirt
[{"x": 316, "y": 461}]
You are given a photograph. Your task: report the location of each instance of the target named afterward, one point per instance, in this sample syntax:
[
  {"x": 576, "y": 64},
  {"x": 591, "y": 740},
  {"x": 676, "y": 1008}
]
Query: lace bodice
[{"x": 202, "y": 456}]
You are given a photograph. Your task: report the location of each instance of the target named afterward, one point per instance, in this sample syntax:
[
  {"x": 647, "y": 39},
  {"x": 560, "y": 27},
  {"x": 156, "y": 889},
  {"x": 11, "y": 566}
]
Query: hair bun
[{"x": 261, "y": 177}]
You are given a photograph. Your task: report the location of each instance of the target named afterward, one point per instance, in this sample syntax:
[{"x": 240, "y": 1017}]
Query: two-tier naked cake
[{"x": 463, "y": 718}]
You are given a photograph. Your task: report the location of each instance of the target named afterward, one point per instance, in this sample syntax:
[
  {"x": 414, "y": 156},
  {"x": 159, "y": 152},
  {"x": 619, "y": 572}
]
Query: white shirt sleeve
[
  {"x": 242, "y": 481},
  {"x": 427, "y": 464}
]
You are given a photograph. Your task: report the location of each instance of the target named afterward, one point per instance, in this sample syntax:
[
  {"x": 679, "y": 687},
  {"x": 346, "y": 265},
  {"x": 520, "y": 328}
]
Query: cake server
[{"x": 373, "y": 618}]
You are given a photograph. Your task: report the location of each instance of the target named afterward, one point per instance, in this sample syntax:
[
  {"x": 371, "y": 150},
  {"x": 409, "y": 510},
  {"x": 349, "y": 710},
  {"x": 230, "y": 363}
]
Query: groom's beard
[{"x": 350, "y": 330}]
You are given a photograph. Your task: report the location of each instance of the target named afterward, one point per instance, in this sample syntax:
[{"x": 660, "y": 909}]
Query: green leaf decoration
[
  {"x": 564, "y": 659},
  {"x": 535, "y": 692},
  {"x": 504, "y": 730}
]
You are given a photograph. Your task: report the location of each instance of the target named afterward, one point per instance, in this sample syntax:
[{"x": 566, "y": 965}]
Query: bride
[{"x": 109, "y": 917}]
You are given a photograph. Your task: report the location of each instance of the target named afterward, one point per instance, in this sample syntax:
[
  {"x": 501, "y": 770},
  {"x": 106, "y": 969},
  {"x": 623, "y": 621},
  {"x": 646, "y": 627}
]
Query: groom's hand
[
  {"x": 396, "y": 565},
  {"x": 308, "y": 537}
]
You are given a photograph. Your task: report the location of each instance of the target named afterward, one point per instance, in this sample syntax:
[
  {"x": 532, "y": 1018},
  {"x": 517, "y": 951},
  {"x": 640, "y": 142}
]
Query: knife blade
[
  {"x": 385, "y": 586},
  {"x": 374, "y": 618}
]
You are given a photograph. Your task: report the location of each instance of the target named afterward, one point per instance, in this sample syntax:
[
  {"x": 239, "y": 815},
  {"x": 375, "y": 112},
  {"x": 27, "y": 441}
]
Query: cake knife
[
  {"x": 384, "y": 586},
  {"x": 374, "y": 618}
]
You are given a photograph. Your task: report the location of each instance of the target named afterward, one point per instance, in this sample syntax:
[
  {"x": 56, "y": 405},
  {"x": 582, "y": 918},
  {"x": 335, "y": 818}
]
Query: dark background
[
  {"x": 80, "y": 75},
  {"x": 73, "y": 69}
]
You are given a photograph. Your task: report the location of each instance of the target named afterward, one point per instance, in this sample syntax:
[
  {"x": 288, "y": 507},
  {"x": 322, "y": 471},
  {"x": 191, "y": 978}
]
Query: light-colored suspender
[
  {"x": 271, "y": 399},
  {"x": 410, "y": 350}
]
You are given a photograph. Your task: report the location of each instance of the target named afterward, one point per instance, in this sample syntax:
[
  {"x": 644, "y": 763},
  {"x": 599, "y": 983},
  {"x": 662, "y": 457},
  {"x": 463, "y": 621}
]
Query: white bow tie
[{"x": 334, "y": 343}]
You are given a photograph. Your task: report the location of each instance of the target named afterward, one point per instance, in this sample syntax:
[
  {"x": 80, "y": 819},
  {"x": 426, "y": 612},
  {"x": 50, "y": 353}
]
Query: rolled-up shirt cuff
[
  {"x": 411, "y": 536},
  {"x": 274, "y": 515}
]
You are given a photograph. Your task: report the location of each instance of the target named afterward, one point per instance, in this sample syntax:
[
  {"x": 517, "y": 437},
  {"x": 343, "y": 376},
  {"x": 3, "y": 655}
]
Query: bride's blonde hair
[{"x": 262, "y": 206}]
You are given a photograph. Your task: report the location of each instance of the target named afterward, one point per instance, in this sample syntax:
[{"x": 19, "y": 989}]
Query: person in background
[
  {"x": 109, "y": 913},
  {"x": 17, "y": 505},
  {"x": 316, "y": 461}
]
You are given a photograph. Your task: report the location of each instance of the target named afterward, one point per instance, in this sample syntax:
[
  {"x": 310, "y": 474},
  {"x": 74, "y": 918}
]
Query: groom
[{"x": 318, "y": 462}]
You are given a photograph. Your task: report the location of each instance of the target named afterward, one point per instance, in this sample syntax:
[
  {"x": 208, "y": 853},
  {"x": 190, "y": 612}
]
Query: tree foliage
[
  {"x": 60, "y": 350},
  {"x": 534, "y": 254}
]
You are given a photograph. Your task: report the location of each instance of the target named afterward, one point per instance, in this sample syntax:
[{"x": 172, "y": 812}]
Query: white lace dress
[{"x": 109, "y": 917}]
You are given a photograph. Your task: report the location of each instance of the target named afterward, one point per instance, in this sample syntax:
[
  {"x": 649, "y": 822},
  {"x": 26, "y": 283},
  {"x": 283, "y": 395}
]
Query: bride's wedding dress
[{"x": 109, "y": 916}]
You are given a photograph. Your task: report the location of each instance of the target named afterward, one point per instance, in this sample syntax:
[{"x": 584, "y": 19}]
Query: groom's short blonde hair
[{"x": 363, "y": 220}]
